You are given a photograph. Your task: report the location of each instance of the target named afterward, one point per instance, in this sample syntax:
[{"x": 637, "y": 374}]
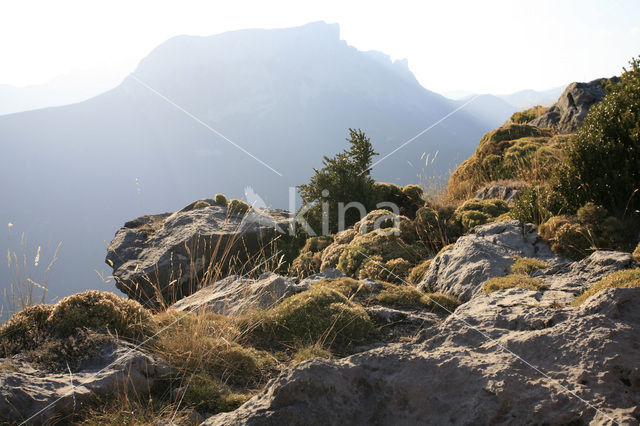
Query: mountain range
[{"x": 202, "y": 115}]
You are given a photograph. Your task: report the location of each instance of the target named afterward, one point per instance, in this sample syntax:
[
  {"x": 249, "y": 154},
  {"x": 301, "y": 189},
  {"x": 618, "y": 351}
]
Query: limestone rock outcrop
[
  {"x": 566, "y": 115},
  {"x": 160, "y": 259}
]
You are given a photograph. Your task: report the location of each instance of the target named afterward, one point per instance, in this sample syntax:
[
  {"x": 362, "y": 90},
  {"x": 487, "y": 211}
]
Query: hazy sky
[{"x": 482, "y": 46}]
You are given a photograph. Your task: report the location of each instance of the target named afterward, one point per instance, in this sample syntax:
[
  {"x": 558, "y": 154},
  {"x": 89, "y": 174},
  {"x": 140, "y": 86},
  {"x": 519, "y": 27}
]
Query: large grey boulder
[
  {"x": 162, "y": 258},
  {"x": 487, "y": 252},
  {"x": 499, "y": 359},
  {"x": 235, "y": 295},
  {"x": 567, "y": 114},
  {"x": 27, "y": 392}
]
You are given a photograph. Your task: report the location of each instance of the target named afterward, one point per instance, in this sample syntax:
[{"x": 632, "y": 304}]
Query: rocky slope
[
  {"x": 514, "y": 355},
  {"x": 499, "y": 359}
]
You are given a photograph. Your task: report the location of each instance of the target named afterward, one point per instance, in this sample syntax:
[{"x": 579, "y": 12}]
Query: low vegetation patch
[
  {"x": 392, "y": 295},
  {"x": 618, "y": 279},
  {"x": 239, "y": 207},
  {"x": 417, "y": 273},
  {"x": 319, "y": 315},
  {"x": 526, "y": 265},
  {"x": 511, "y": 281},
  {"x": 476, "y": 212},
  {"x": 527, "y": 115},
  {"x": 200, "y": 205},
  {"x": 72, "y": 330},
  {"x": 309, "y": 352},
  {"x": 220, "y": 199}
]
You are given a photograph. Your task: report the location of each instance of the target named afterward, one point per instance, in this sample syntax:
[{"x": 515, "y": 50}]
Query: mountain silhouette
[{"x": 206, "y": 115}]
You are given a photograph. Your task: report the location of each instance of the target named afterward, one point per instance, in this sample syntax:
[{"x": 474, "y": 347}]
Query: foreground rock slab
[
  {"x": 160, "y": 258},
  {"x": 27, "y": 392},
  {"x": 499, "y": 359}
]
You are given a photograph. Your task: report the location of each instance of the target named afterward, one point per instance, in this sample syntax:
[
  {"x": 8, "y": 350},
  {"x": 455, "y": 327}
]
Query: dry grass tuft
[
  {"x": 619, "y": 279},
  {"x": 512, "y": 281}
]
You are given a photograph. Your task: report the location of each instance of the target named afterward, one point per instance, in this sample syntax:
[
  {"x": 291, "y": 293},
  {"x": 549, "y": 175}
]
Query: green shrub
[
  {"x": 602, "y": 161},
  {"x": 309, "y": 352},
  {"x": 200, "y": 205},
  {"x": 511, "y": 281},
  {"x": 591, "y": 214},
  {"x": 348, "y": 287},
  {"x": 209, "y": 395},
  {"x": 319, "y": 315},
  {"x": 472, "y": 218},
  {"x": 393, "y": 271},
  {"x": 528, "y": 114},
  {"x": 440, "y": 302},
  {"x": 533, "y": 206},
  {"x": 351, "y": 259},
  {"x": 66, "y": 334},
  {"x": 344, "y": 178},
  {"x": 417, "y": 273},
  {"x": 100, "y": 311},
  {"x": 619, "y": 279},
  {"x": 401, "y": 296},
  {"x": 309, "y": 261},
  {"x": 220, "y": 200},
  {"x": 567, "y": 236},
  {"x": 526, "y": 265},
  {"x": 25, "y": 330},
  {"x": 493, "y": 160},
  {"x": 238, "y": 207},
  {"x": 477, "y": 212}
]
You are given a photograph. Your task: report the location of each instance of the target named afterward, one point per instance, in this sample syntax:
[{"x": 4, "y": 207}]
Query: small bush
[
  {"x": 394, "y": 270},
  {"x": 25, "y": 330},
  {"x": 209, "y": 395},
  {"x": 567, "y": 236},
  {"x": 220, "y": 200},
  {"x": 100, "y": 311},
  {"x": 417, "y": 273},
  {"x": 238, "y": 207},
  {"x": 591, "y": 214},
  {"x": 636, "y": 254},
  {"x": 511, "y": 281},
  {"x": 348, "y": 287},
  {"x": 525, "y": 265},
  {"x": 309, "y": 352},
  {"x": 440, "y": 302},
  {"x": 62, "y": 336},
  {"x": 309, "y": 261},
  {"x": 401, "y": 296},
  {"x": 407, "y": 297},
  {"x": 619, "y": 279},
  {"x": 527, "y": 115},
  {"x": 351, "y": 259},
  {"x": 200, "y": 205},
  {"x": 477, "y": 212},
  {"x": 472, "y": 218},
  {"x": 317, "y": 316},
  {"x": 533, "y": 206}
]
